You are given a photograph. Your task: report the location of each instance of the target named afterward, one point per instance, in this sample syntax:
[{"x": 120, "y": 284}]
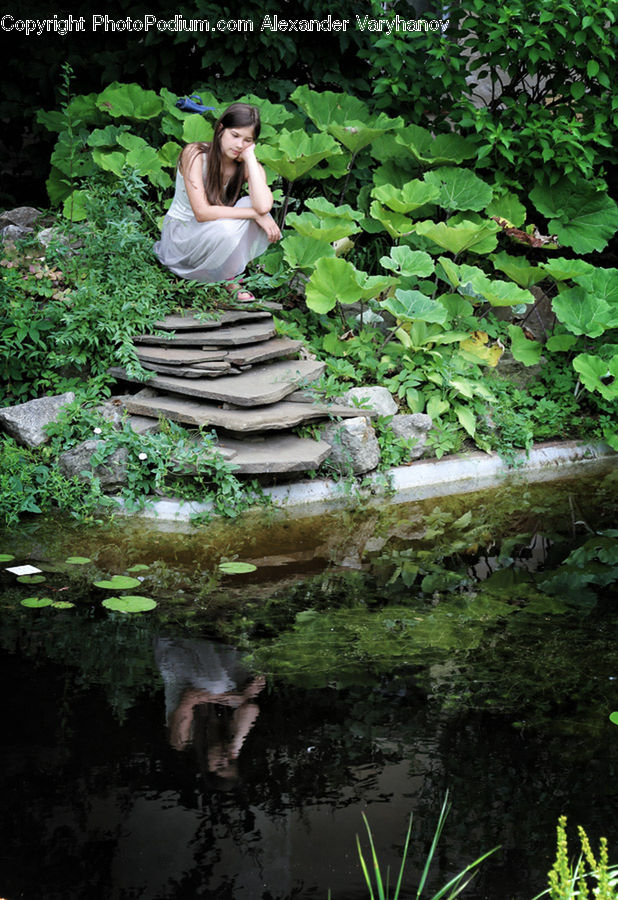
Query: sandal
[{"x": 235, "y": 288}]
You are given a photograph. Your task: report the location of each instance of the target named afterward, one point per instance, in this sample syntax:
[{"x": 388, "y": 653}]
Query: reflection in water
[
  {"x": 209, "y": 698},
  {"x": 381, "y": 694}
]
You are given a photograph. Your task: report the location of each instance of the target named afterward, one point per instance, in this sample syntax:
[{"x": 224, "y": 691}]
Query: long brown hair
[{"x": 238, "y": 115}]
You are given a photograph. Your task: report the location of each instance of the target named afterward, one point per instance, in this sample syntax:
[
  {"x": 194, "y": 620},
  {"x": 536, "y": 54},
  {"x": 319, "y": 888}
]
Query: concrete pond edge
[{"x": 420, "y": 480}]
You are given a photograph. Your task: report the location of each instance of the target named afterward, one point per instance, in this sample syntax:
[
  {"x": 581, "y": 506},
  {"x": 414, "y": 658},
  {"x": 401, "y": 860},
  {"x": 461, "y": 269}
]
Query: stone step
[
  {"x": 202, "y": 370},
  {"x": 178, "y": 356},
  {"x": 264, "y": 351},
  {"x": 273, "y": 455},
  {"x": 260, "y": 386},
  {"x": 233, "y": 336},
  {"x": 275, "y": 417},
  {"x": 188, "y": 322},
  {"x": 256, "y": 353}
]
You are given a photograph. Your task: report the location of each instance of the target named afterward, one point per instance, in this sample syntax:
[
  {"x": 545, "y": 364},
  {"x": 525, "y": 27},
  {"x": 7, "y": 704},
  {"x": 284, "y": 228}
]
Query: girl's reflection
[{"x": 209, "y": 698}]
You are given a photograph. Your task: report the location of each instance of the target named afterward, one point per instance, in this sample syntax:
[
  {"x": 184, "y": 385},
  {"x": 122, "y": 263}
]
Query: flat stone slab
[
  {"x": 189, "y": 322},
  {"x": 258, "y": 387},
  {"x": 233, "y": 336},
  {"x": 203, "y": 370},
  {"x": 275, "y": 417},
  {"x": 143, "y": 424},
  {"x": 256, "y": 353},
  {"x": 283, "y": 453},
  {"x": 176, "y": 356}
]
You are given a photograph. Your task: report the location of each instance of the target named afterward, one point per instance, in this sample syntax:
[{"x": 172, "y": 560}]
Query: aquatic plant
[
  {"x": 382, "y": 890},
  {"x": 590, "y": 876}
]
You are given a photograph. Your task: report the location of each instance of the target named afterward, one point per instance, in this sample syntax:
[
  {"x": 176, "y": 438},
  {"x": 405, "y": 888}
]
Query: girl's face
[{"x": 234, "y": 140}]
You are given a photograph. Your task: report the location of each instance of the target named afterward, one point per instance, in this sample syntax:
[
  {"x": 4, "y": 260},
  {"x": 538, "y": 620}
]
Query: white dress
[{"x": 207, "y": 251}]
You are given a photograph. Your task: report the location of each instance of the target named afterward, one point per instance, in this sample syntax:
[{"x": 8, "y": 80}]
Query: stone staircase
[{"x": 231, "y": 372}]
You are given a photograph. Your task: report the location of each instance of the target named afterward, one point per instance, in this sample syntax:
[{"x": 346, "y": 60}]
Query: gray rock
[
  {"x": 76, "y": 462},
  {"x": 14, "y": 232},
  {"x": 273, "y": 417},
  {"x": 260, "y": 386},
  {"x": 274, "y": 455},
  {"x": 22, "y": 216},
  {"x": 413, "y": 428},
  {"x": 354, "y": 445},
  {"x": 26, "y": 421},
  {"x": 378, "y": 398}
]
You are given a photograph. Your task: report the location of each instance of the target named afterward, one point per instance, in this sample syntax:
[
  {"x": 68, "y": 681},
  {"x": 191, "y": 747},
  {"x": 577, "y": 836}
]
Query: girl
[{"x": 209, "y": 234}]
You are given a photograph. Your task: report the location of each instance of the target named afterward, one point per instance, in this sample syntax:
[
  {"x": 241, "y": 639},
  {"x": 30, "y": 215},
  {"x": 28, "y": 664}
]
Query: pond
[{"x": 226, "y": 744}]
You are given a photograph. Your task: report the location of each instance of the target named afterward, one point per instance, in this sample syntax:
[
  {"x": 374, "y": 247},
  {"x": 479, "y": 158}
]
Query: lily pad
[
  {"x": 118, "y": 583},
  {"x": 63, "y": 604},
  {"x": 78, "y": 560},
  {"x": 129, "y": 604},
  {"x": 31, "y": 579},
  {"x": 138, "y": 567},
  {"x": 236, "y": 568},
  {"x": 36, "y": 602},
  {"x": 6, "y": 557}
]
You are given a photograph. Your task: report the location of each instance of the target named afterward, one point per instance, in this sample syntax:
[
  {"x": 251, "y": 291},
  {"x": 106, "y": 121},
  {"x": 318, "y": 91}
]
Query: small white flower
[
  {"x": 97, "y": 431},
  {"x": 143, "y": 456}
]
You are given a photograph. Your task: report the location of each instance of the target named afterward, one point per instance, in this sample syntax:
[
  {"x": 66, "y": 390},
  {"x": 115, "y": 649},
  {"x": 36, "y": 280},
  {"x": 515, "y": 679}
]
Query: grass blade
[
  {"x": 364, "y": 868},
  {"x": 454, "y": 884},
  {"x": 436, "y": 837},
  {"x": 376, "y": 866},
  {"x": 403, "y": 860}
]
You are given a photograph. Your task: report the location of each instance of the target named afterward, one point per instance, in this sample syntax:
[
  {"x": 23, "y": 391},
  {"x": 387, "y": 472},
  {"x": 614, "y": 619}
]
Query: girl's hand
[
  {"x": 247, "y": 153},
  {"x": 270, "y": 227}
]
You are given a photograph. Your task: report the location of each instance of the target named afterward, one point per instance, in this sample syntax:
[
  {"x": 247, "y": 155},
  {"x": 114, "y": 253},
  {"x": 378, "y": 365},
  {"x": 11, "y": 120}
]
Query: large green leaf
[
  {"x": 118, "y": 583},
  {"x": 518, "y": 268},
  {"x": 598, "y": 374},
  {"x": 74, "y": 207},
  {"x": 395, "y": 223},
  {"x": 407, "y": 262},
  {"x": 565, "y": 269},
  {"x": 582, "y": 313},
  {"x": 128, "y": 604},
  {"x": 110, "y": 160},
  {"x": 144, "y": 159},
  {"x": 602, "y": 284},
  {"x": 336, "y": 280},
  {"x": 413, "y": 305},
  {"x": 105, "y": 137},
  {"x": 326, "y": 107},
  {"x": 355, "y": 134},
  {"x": 413, "y": 195},
  {"x": 326, "y": 221},
  {"x": 302, "y": 252},
  {"x": 397, "y": 172},
  {"x": 472, "y": 282},
  {"x": 459, "y": 188},
  {"x": 507, "y": 206},
  {"x": 441, "y": 150},
  {"x": 456, "y": 238},
  {"x": 298, "y": 153},
  {"x": 524, "y": 351},
  {"x": 70, "y": 156},
  {"x": 196, "y": 128},
  {"x": 130, "y": 101},
  {"x": 580, "y": 216}
]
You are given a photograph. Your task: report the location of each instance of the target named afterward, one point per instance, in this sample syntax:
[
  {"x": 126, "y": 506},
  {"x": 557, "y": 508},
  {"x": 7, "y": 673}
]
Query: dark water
[{"x": 143, "y": 757}]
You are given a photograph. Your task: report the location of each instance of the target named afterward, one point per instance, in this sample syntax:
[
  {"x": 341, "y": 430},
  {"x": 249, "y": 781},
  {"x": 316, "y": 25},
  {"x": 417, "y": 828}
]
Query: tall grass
[{"x": 379, "y": 886}]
